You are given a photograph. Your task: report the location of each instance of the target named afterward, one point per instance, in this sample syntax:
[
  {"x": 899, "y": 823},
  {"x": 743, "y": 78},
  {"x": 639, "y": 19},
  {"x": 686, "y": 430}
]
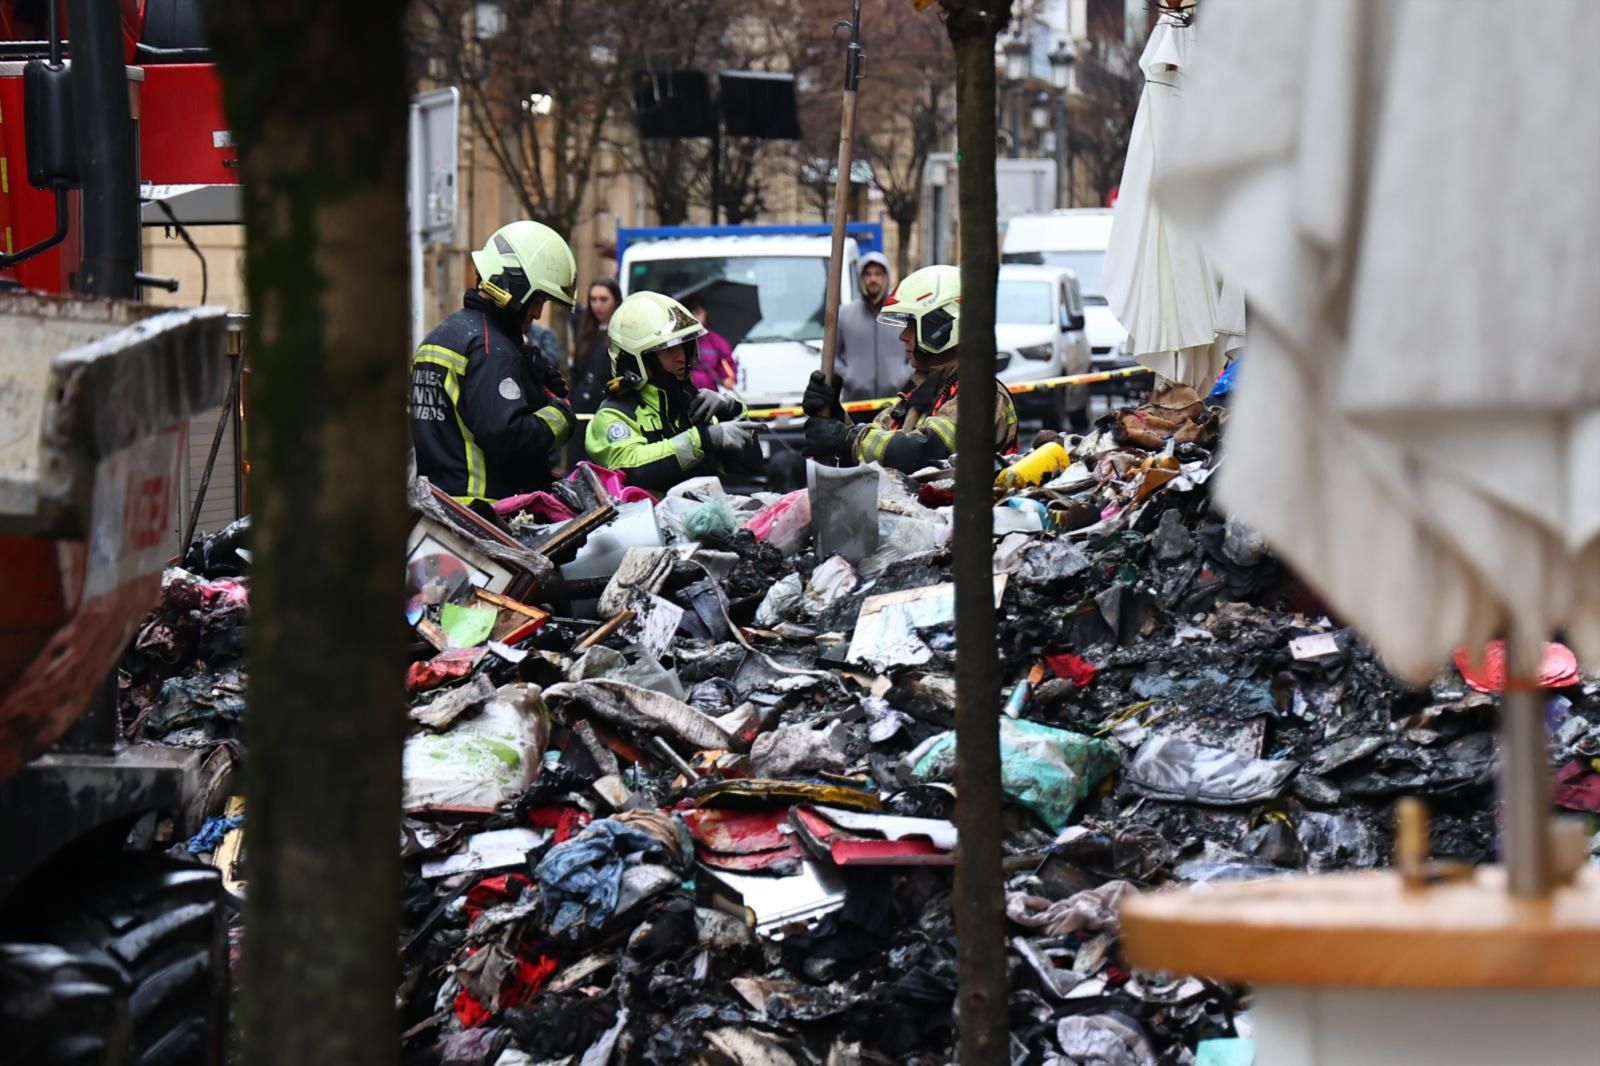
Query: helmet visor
[
  {"x": 686, "y": 337},
  {"x": 898, "y": 319}
]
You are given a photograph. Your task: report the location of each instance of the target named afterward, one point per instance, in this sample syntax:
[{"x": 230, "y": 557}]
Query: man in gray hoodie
[{"x": 870, "y": 359}]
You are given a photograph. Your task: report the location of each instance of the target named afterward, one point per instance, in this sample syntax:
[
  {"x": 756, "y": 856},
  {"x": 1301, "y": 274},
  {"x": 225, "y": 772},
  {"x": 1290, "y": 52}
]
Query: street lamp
[
  {"x": 1040, "y": 112},
  {"x": 1017, "y": 55},
  {"x": 1061, "y": 60},
  {"x": 489, "y": 19}
]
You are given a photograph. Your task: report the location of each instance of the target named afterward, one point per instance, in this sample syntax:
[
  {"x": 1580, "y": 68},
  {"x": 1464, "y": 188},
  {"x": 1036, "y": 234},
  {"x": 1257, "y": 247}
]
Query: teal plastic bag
[{"x": 1049, "y": 771}]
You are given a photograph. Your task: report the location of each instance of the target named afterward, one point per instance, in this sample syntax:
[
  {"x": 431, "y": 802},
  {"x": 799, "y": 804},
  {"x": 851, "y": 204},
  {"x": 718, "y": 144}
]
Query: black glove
[
  {"x": 554, "y": 383},
  {"x": 827, "y": 438},
  {"x": 821, "y": 399}
]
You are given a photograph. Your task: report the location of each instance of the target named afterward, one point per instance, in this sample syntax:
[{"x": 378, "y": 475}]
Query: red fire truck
[{"x": 110, "y": 117}]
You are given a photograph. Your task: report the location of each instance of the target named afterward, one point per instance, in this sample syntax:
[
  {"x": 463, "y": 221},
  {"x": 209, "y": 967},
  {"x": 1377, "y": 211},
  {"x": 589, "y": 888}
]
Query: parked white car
[
  {"x": 1075, "y": 239},
  {"x": 1038, "y": 334}
]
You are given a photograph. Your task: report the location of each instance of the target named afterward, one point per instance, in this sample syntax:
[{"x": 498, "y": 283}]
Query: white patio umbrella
[
  {"x": 1409, "y": 192},
  {"x": 1181, "y": 318}
]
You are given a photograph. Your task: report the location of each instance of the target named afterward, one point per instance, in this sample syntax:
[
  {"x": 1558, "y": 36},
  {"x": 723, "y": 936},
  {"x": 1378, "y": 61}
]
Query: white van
[
  {"x": 791, "y": 275},
  {"x": 1074, "y": 238}
]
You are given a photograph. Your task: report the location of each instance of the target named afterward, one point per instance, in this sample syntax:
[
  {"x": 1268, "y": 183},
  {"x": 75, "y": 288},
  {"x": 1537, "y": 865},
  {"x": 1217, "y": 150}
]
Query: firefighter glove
[{"x": 821, "y": 399}]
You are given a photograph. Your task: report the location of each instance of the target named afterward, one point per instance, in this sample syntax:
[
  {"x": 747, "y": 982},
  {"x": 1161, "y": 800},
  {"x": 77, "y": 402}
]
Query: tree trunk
[
  {"x": 315, "y": 94},
  {"x": 979, "y": 886},
  {"x": 902, "y": 256}
]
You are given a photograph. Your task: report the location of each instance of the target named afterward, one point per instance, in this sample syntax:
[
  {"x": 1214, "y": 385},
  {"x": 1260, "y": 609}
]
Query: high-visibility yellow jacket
[{"x": 635, "y": 433}]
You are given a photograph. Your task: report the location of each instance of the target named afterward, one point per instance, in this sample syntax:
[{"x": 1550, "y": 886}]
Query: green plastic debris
[
  {"x": 1230, "y": 1051},
  {"x": 467, "y": 627},
  {"x": 1049, "y": 771},
  {"x": 714, "y": 518}
]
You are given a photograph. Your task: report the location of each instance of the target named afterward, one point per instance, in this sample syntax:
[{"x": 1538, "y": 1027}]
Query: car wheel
[{"x": 159, "y": 927}]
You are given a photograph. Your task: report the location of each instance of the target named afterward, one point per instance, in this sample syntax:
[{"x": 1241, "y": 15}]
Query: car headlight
[{"x": 1036, "y": 351}]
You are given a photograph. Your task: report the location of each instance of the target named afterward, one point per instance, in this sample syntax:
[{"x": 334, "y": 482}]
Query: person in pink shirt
[{"x": 716, "y": 368}]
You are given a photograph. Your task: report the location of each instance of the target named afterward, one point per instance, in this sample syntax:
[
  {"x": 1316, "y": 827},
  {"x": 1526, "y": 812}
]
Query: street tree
[
  {"x": 315, "y": 95},
  {"x": 907, "y": 111},
  {"x": 540, "y": 82},
  {"x": 981, "y": 1001},
  {"x": 1100, "y": 115}
]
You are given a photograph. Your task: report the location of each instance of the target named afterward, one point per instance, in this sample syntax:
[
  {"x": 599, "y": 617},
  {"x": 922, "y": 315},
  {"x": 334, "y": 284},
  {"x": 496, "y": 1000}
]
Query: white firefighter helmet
[
  {"x": 930, "y": 301},
  {"x": 643, "y": 323},
  {"x": 523, "y": 258}
]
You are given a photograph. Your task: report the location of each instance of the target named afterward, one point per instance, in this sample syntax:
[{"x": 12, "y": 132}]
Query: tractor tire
[
  {"x": 61, "y": 1009},
  {"x": 161, "y": 925}
]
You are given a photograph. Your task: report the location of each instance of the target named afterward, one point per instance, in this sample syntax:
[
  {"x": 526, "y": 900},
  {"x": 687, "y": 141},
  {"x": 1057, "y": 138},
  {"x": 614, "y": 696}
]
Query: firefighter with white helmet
[
  {"x": 655, "y": 426},
  {"x": 485, "y": 416},
  {"x": 921, "y": 428}
]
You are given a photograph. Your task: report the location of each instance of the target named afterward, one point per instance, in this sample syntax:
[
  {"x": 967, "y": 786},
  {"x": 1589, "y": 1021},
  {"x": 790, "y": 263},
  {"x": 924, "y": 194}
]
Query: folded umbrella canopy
[
  {"x": 1182, "y": 319},
  {"x": 1406, "y": 190},
  {"x": 732, "y": 307},
  {"x": 1418, "y": 428}
]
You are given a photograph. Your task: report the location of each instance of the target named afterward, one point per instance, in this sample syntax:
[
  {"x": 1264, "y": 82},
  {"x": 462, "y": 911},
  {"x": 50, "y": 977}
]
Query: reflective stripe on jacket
[
  {"x": 921, "y": 428},
  {"x": 482, "y": 422}
]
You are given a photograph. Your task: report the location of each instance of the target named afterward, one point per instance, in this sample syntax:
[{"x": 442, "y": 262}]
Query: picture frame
[{"x": 435, "y": 552}]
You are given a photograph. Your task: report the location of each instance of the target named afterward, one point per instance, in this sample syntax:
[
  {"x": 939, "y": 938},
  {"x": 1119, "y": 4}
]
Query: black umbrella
[{"x": 732, "y": 307}]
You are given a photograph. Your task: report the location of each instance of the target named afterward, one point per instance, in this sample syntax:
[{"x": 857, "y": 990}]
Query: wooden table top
[{"x": 1368, "y": 929}]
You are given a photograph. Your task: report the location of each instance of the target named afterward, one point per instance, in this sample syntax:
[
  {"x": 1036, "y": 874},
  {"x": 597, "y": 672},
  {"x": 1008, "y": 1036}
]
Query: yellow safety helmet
[
  {"x": 643, "y": 323},
  {"x": 523, "y": 258},
  {"x": 929, "y": 300}
]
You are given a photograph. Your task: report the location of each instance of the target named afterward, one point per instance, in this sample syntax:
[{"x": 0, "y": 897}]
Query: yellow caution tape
[{"x": 1021, "y": 388}]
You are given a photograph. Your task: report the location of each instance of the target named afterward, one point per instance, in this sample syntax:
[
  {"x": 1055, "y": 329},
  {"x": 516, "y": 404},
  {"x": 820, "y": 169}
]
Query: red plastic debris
[
  {"x": 493, "y": 891},
  {"x": 1069, "y": 667},
  {"x": 521, "y": 985},
  {"x": 446, "y": 666},
  {"x": 566, "y": 821},
  {"x": 1558, "y": 668},
  {"x": 1577, "y": 787}
]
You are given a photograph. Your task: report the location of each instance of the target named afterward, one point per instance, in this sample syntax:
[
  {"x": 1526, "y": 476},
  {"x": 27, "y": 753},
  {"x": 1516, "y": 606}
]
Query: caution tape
[{"x": 1020, "y": 388}]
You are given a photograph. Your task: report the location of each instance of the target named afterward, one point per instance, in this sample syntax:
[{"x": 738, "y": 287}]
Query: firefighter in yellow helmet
[
  {"x": 655, "y": 426},
  {"x": 484, "y": 415},
  {"x": 921, "y": 428}
]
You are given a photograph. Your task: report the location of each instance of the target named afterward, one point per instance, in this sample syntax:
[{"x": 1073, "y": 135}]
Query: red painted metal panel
[
  {"x": 28, "y": 215},
  {"x": 183, "y": 135}
]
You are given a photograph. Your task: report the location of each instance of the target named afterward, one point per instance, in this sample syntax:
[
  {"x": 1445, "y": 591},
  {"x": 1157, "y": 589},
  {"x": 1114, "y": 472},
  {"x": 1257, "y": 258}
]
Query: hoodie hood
[{"x": 883, "y": 261}]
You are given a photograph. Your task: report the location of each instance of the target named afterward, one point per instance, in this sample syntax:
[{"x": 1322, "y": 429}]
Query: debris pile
[{"x": 680, "y": 782}]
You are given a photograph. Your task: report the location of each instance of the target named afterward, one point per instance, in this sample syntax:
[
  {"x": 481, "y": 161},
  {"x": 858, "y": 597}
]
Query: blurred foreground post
[
  {"x": 979, "y": 887},
  {"x": 315, "y": 94}
]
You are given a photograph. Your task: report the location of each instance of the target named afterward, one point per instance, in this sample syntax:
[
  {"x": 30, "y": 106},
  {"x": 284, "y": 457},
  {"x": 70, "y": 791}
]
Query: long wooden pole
[{"x": 841, "y": 194}]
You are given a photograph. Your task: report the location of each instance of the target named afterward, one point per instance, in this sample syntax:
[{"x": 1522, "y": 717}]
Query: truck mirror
[{"x": 50, "y": 136}]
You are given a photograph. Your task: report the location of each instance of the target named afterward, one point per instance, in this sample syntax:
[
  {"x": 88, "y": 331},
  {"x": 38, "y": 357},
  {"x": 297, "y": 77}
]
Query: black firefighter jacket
[{"x": 482, "y": 421}]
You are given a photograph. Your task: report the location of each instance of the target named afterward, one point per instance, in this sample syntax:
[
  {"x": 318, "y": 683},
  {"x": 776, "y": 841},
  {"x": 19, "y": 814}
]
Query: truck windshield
[
  {"x": 791, "y": 288},
  {"x": 1023, "y": 302},
  {"x": 1085, "y": 264}
]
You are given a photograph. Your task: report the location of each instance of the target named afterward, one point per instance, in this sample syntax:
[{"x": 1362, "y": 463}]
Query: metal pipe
[
  {"x": 106, "y": 161},
  {"x": 418, "y": 197},
  {"x": 1524, "y": 774},
  {"x": 55, "y": 32}
]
